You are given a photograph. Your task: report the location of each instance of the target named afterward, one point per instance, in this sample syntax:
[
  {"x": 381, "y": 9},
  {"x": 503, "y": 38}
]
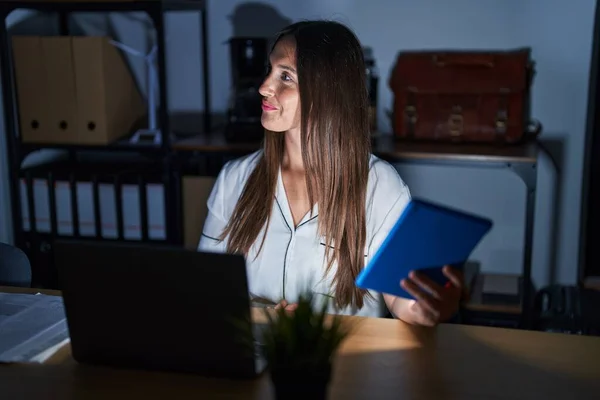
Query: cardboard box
[
  {"x": 74, "y": 90},
  {"x": 196, "y": 190}
]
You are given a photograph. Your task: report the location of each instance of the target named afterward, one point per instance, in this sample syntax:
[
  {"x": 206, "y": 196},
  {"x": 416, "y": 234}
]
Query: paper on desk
[{"x": 32, "y": 327}]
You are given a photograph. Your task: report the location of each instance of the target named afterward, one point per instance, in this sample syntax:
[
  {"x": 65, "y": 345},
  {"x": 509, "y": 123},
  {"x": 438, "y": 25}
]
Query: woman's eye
[{"x": 285, "y": 77}]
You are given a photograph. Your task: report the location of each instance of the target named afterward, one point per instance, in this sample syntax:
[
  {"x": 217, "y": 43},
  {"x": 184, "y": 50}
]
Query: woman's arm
[
  {"x": 216, "y": 219},
  {"x": 209, "y": 240},
  {"x": 433, "y": 303}
]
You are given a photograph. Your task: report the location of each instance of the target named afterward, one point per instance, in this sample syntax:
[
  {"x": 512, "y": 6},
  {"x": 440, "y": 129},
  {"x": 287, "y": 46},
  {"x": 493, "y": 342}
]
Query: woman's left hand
[
  {"x": 287, "y": 306},
  {"x": 434, "y": 303}
]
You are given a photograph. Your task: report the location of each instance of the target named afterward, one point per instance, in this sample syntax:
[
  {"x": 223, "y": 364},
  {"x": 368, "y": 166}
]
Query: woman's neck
[{"x": 292, "y": 152}]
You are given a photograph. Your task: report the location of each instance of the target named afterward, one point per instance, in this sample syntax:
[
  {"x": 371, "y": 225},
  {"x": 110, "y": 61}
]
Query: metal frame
[
  {"x": 527, "y": 172},
  {"x": 17, "y": 151}
]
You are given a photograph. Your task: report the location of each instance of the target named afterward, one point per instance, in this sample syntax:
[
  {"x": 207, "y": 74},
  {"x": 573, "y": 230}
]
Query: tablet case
[{"x": 426, "y": 237}]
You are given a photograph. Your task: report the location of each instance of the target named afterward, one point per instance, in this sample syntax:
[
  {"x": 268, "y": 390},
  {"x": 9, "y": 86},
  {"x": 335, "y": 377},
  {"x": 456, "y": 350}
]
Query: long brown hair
[{"x": 335, "y": 150}]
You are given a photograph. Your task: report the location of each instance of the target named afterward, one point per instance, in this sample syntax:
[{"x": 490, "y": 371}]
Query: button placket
[{"x": 288, "y": 260}]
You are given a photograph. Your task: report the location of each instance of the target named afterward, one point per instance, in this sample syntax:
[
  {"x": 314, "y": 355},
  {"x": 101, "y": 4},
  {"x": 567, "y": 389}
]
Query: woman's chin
[{"x": 272, "y": 127}]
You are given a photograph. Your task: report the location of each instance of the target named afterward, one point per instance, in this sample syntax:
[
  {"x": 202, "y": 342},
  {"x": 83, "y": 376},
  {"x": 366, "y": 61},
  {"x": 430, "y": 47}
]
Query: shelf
[
  {"x": 95, "y": 165},
  {"x": 122, "y": 145},
  {"x": 214, "y": 142},
  {"x": 122, "y": 162},
  {"x": 478, "y": 300},
  {"x": 388, "y": 147},
  {"x": 105, "y": 6}
]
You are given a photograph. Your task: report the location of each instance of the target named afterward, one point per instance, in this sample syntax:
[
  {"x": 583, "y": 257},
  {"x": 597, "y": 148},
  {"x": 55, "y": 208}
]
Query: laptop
[{"x": 154, "y": 307}]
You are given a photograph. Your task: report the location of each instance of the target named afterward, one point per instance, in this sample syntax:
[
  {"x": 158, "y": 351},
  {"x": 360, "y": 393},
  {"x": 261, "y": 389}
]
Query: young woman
[{"x": 312, "y": 207}]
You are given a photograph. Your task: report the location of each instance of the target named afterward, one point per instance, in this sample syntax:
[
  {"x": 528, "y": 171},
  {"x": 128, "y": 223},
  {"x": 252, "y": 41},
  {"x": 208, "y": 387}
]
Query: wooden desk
[{"x": 382, "y": 359}]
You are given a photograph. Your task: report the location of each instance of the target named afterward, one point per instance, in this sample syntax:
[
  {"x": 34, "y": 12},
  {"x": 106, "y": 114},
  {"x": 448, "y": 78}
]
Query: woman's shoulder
[
  {"x": 385, "y": 182},
  {"x": 237, "y": 171},
  {"x": 387, "y": 193},
  {"x": 233, "y": 176}
]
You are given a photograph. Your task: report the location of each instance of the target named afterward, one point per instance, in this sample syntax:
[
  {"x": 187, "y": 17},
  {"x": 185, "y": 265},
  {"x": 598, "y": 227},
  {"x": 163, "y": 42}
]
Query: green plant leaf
[{"x": 305, "y": 338}]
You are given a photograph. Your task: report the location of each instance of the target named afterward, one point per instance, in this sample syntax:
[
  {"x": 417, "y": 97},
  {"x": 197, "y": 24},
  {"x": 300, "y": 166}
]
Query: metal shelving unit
[{"x": 161, "y": 155}]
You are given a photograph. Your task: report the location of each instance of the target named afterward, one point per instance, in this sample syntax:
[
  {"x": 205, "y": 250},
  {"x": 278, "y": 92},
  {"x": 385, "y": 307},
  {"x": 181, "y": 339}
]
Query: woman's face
[{"x": 281, "y": 97}]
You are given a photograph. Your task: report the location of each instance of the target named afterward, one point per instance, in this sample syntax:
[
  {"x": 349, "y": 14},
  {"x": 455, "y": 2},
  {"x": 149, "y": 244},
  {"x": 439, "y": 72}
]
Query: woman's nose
[{"x": 266, "y": 89}]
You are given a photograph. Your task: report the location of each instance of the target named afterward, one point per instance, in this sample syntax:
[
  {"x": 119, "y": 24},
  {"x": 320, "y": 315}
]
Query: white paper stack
[{"x": 32, "y": 327}]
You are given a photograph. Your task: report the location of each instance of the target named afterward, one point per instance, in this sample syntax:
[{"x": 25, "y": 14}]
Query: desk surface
[
  {"x": 382, "y": 359},
  {"x": 386, "y": 146}
]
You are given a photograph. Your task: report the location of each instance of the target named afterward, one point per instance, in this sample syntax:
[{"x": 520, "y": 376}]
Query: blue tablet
[{"x": 426, "y": 237}]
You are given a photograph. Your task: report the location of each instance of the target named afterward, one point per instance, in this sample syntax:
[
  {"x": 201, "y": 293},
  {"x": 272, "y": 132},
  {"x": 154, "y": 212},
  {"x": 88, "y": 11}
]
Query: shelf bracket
[{"x": 527, "y": 172}]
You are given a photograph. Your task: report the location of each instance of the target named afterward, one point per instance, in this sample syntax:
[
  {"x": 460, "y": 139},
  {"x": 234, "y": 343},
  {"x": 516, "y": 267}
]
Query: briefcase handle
[
  {"x": 466, "y": 60},
  {"x": 534, "y": 128}
]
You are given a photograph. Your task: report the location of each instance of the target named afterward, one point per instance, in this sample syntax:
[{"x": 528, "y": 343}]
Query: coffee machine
[{"x": 248, "y": 57}]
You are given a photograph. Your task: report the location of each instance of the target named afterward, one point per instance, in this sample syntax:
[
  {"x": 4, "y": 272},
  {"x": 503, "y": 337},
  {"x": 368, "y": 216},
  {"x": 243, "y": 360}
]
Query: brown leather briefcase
[{"x": 463, "y": 96}]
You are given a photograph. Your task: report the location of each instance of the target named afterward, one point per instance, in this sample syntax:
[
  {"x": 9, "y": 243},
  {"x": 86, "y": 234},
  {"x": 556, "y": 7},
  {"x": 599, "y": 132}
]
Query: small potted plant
[{"x": 299, "y": 347}]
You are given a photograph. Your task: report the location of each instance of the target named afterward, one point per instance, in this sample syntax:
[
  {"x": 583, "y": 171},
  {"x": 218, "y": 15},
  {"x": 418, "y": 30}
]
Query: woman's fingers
[
  {"x": 281, "y": 304},
  {"x": 455, "y": 276},
  {"x": 286, "y": 306},
  {"x": 427, "y": 284},
  {"x": 424, "y": 299}
]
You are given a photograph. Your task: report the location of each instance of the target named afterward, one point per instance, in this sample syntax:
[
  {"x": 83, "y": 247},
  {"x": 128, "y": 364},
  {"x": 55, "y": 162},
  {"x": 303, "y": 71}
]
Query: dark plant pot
[{"x": 293, "y": 383}]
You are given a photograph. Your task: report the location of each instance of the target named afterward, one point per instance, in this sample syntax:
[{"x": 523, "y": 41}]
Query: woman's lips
[{"x": 267, "y": 107}]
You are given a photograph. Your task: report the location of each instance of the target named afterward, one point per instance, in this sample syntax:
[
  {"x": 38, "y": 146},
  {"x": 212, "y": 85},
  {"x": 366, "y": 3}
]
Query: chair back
[{"x": 15, "y": 268}]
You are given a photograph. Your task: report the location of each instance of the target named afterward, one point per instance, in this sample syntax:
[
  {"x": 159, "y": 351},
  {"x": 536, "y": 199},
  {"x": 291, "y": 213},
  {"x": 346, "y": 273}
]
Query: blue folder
[{"x": 426, "y": 237}]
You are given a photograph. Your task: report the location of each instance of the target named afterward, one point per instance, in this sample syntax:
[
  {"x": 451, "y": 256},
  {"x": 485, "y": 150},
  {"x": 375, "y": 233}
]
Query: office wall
[{"x": 560, "y": 35}]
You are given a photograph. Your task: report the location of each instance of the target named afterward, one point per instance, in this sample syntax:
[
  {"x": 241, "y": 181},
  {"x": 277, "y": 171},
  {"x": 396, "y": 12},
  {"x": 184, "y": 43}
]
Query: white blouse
[{"x": 292, "y": 261}]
